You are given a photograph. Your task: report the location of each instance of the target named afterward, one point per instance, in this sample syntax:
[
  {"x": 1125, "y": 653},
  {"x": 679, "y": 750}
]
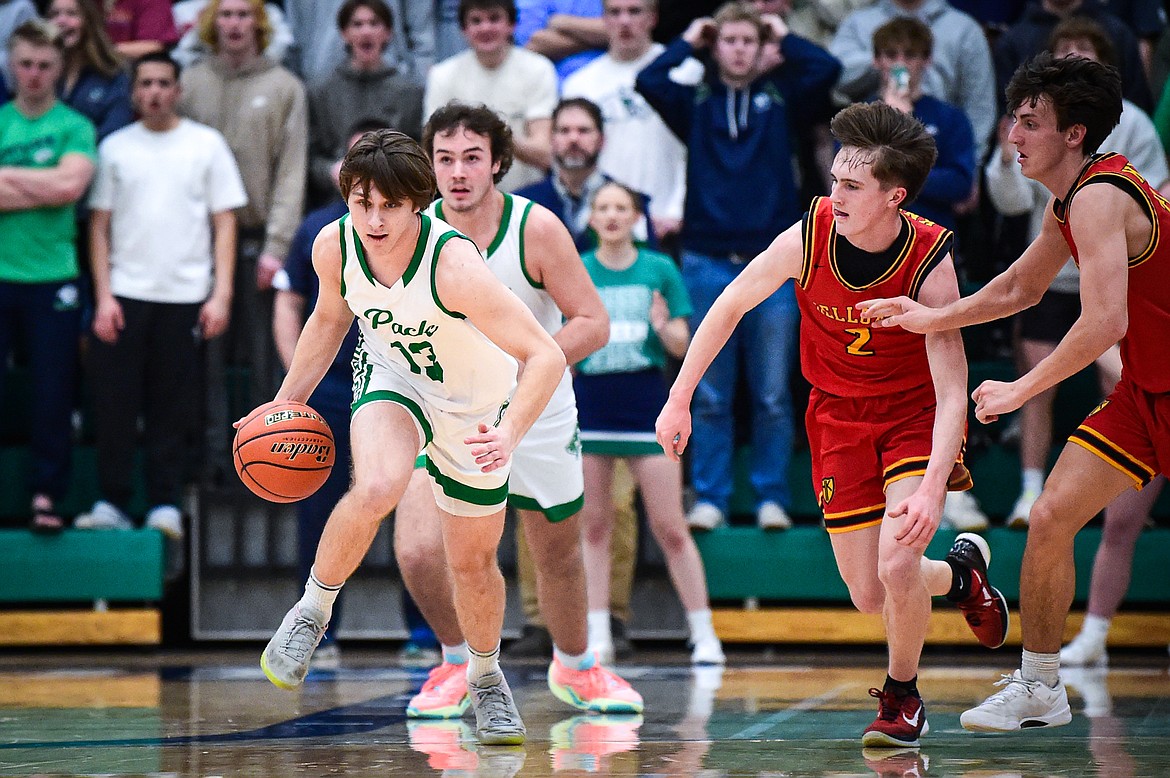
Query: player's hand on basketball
[
  {"x": 214, "y": 317},
  {"x": 491, "y": 447},
  {"x": 921, "y": 514},
  {"x": 673, "y": 428},
  {"x": 995, "y": 398},
  {"x": 108, "y": 320},
  {"x": 898, "y": 312}
]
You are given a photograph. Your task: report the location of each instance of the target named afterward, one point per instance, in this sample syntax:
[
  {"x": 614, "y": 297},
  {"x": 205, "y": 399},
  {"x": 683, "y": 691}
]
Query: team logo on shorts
[
  {"x": 828, "y": 489},
  {"x": 1099, "y": 408}
]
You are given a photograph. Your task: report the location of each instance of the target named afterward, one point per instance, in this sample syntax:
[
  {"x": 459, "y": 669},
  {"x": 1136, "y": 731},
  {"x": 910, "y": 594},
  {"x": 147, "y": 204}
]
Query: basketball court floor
[{"x": 769, "y": 713}]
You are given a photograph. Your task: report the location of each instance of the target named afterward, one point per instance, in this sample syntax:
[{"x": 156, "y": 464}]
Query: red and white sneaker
[
  {"x": 443, "y": 696},
  {"x": 985, "y": 608},
  {"x": 900, "y": 721},
  {"x": 596, "y": 689}
]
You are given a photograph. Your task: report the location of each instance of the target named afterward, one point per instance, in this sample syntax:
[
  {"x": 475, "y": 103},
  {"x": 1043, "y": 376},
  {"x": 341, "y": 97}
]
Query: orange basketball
[{"x": 283, "y": 451}]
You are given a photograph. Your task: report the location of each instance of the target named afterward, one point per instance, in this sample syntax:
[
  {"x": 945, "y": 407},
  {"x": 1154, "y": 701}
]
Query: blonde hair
[{"x": 210, "y": 35}]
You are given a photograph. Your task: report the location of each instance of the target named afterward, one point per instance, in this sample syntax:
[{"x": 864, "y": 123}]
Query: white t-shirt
[
  {"x": 640, "y": 151},
  {"x": 521, "y": 89},
  {"x": 162, "y": 188}
]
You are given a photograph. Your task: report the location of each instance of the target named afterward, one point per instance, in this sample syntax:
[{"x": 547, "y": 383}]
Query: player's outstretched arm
[
  {"x": 948, "y": 371},
  {"x": 1098, "y": 216},
  {"x": 762, "y": 276},
  {"x": 465, "y": 285},
  {"x": 326, "y": 326},
  {"x": 1020, "y": 286},
  {"x": 554, "y": 262}
]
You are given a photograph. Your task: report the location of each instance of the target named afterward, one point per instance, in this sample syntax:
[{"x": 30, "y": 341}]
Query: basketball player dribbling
[
  {"x": 886, "y": 416},
  {"x": 435, "y": 370}
]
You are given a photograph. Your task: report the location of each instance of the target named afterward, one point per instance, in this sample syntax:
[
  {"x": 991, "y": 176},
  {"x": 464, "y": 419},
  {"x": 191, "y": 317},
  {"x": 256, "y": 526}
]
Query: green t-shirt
[
  {"x": 36, "y": 245},
  {"x": 627, "y": 295}
]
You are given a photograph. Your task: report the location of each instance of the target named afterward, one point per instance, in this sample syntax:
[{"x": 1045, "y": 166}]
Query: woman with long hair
[{"x": 95, "y": 80}]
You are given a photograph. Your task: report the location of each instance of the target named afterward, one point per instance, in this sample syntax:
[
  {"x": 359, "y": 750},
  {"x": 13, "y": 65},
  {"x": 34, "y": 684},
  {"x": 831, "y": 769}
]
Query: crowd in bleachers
[{"x": 148, "y": 213}]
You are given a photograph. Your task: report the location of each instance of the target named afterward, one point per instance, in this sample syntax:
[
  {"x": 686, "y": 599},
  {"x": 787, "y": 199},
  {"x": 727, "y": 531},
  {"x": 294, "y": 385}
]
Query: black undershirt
[{"x": 860, "y": 268}]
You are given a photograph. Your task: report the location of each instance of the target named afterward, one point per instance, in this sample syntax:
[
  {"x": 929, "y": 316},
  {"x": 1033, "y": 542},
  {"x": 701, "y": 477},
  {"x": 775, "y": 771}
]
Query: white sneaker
[
  {"x": 961, "y": 512},
  {"x": 705, "y": 516},
  {"x": 708, "y": 651},
  {"x": 1084, "y": 651},
  {"x": 103, "y": 515},
  {"x": 166, "y": 519},
  {"x": 1020, "y": 705},
  {"x": 771, "y": 515},
  {"x": 286, "y": 657},
  {"x": 1018, "y": 518}
]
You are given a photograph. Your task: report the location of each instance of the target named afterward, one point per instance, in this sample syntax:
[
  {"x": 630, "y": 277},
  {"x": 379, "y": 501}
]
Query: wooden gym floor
[{"x": 769, "y": 713}]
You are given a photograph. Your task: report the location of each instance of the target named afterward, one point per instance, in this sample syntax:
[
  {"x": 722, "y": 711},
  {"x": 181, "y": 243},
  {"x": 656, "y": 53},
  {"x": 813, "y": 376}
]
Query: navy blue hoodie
[{"x": 741, "y": 187}]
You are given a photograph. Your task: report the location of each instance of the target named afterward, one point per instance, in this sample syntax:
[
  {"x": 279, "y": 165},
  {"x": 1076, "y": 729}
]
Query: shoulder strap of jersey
[
  {"x": 943, "y": 245},
  {"x": 812, "y": 225}
]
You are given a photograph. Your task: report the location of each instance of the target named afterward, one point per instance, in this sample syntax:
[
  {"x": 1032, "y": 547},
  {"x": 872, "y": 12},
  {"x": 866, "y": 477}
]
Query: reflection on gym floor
[{"x": 786, "y": 715}]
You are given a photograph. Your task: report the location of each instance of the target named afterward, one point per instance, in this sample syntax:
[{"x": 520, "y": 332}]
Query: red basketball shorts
[{"x": 1131, "y": 431}]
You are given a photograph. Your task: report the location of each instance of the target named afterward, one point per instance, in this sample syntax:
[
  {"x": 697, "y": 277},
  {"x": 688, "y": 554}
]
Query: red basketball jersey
[
  {"x": 1143, "y": 349},
  {"x": 840, "y": 352}
]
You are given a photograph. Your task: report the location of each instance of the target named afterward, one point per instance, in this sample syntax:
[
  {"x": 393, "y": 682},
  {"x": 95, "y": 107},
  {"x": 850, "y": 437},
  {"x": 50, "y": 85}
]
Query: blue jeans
[
  {"x": 46, "y": 318},
  {"x": 765, "y": 344}
]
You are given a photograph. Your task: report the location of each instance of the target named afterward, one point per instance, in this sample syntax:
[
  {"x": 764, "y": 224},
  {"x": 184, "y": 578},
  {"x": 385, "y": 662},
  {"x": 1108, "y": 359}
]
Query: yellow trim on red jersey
[{"x": 907, "y": 247}]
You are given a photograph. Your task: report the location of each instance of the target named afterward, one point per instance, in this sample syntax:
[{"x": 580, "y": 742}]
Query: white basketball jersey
[
  {"x": 451, "y": 363},
  {"x": 505, "y": 257}
]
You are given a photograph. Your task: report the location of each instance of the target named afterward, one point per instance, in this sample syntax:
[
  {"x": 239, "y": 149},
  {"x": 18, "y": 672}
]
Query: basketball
[{"x": 283, "y": 451}]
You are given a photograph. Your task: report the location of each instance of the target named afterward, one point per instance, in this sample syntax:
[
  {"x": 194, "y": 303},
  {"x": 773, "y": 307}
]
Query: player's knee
[
  {"x": 417, "y": 551},
  {"x": 867, "y": 598},
  {"x": 898, "y": 570},
  {"x": 376, "y": 497},
  {"x": 1045, "y": 521},
  {"x": 473, "y": 564}
]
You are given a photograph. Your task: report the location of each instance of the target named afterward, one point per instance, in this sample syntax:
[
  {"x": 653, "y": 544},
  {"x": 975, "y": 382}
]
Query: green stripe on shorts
[
  {"x": 469, "y": 494},
  {"x": 385, "y": 395},
  {"x": 555, "y": 513}
]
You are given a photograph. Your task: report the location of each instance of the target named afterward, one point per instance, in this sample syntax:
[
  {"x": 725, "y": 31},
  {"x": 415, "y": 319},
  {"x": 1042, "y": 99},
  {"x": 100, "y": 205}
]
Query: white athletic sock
[
  {"x": 1096, "y": 628},
  {"x": 456, "y": 655},
  {"x": 701, "y": 626},
  {"x": 598, "y": 624},
  {"x": 1044, "y": 668},
  {"x": 574, "y": 661},
  {"x": 480, "y": 665},
  {"x": 318, "y": 595},
  {"x": 1032, "y": 480}
]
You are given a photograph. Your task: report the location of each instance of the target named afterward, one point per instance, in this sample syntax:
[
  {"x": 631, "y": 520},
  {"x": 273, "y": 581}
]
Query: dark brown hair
[
  {"x": 467, "y": 6},
  {"x": 906, "y": 33},
  {"x": 350, "y": 7},
  {"x": 1080, "y": 90},
  {"x": 583, "y": 104},
  {"x": 1082, "y": 28},
  {"x": 391, "y": 162},
  {"x": 898, "y": 147},
  {"x": 478, "y": 119}
]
